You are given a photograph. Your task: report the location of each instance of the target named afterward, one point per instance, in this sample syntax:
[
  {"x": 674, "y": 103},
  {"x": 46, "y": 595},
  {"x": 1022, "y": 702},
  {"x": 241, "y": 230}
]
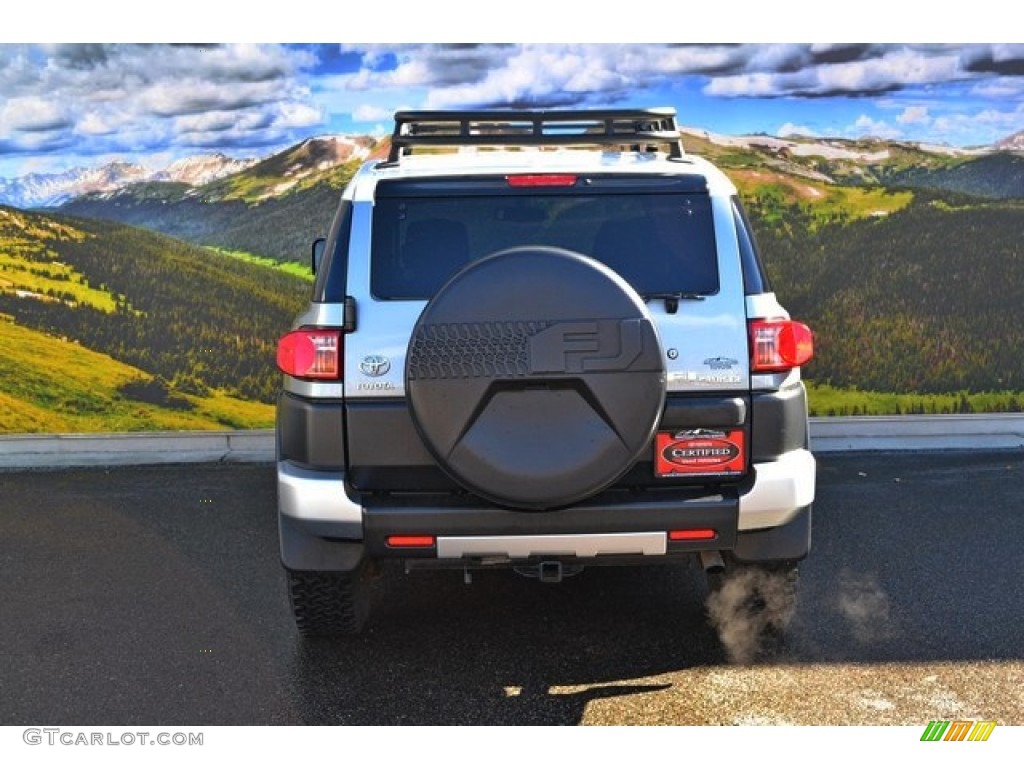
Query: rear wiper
[{"x": 672, "y": 299}]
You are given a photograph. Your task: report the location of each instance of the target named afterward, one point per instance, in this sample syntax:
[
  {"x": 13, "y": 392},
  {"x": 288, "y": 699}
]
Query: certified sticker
[{"x": 699, "y": 452}]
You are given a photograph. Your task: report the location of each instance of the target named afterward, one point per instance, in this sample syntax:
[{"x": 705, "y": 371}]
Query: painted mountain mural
[{"x": 152, "y": 250}]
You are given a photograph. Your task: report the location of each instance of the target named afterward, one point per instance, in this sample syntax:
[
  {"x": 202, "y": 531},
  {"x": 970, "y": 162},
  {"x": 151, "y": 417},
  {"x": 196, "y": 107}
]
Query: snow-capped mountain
[
  {"x": 45, "y": 190},
  {"x": 201, "y": 169},
  {"x": 39, "y": 190},
  {"x": 1014, "y": 143},
  {"x": 307, "y": 159}
]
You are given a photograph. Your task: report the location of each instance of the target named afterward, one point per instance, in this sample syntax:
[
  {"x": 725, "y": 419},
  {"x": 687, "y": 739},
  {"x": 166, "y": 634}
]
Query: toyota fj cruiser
[{"x": 550, "y": 348}]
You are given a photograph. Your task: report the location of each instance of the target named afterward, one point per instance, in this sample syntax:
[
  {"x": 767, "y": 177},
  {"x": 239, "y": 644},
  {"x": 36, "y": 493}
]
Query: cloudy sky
[{"x": 71, "y": 105}]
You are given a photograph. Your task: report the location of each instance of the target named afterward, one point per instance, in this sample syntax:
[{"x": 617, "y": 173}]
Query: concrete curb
[
  {"x": 917, "y": 433},
  {"x": 127, "y": 448},
  {"x": 858, "y": 433}
]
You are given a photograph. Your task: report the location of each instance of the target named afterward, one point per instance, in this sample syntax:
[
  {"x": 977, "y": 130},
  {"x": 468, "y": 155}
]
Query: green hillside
[
  {"x": 920, "y": 301},
  {"x": 909, "y": 283},
  {"x": 997, "y": 176},
  {"x": 909, "y": 287},
  {"x": 51, "y": 385},
  {"x": 195, "y": 323},
  {"x": 312, "y": 163},
  {"x": 794, "y": 203},
  {"x": 848, "y": 163},
  {"x": 278, "y": 228}
]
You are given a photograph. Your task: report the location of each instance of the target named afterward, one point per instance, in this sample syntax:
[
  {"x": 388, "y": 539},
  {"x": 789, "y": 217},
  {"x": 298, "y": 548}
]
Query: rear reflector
[
  {"x": 542, "y": 180},
  {"x": 693, "y": 534},
  {"x": 779, "y": 345},
  {"x": 310, "y": 353},
  {"x": 410, "y": 541}
]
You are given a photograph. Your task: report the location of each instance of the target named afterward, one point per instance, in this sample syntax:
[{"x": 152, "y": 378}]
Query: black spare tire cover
[{"x": 535, "y": 377}]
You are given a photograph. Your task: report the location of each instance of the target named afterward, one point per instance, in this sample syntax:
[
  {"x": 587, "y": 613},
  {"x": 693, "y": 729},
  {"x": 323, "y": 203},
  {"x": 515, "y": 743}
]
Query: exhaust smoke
[
  {"x": 750, "y": 611},
  {"x": 865, "y": 607}
]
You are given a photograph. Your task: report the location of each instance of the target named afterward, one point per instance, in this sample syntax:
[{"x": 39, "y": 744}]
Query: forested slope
[
  {"x": 926, "y": 299},
  {"x": 191, "y": 317},
  {"x": 281, "y": 228}
]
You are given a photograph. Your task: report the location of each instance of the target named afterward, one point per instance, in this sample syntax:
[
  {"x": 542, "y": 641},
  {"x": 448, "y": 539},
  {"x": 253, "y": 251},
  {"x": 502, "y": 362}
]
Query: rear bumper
[
  {"x": 320, "y": 505},
  {"x": 615, "y": 523},
  {"x": 318, "y": 501},
  {"x": 781, "y": 489}
]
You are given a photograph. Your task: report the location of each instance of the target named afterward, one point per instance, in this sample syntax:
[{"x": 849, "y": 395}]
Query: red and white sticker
[{"x": 692, "y": 452}]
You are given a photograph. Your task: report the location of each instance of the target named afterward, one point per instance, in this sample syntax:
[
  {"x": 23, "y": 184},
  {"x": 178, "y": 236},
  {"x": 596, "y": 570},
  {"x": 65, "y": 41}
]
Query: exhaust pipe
[{"x": 712, "y": 562}]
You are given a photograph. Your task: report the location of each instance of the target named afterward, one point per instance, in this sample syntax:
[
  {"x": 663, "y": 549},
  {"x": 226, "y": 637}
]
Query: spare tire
[{"x": 535, "y": 377}]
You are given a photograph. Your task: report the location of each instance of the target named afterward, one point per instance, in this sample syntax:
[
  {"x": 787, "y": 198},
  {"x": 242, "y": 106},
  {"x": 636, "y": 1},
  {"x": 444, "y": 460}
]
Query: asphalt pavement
[{"x": 154, "y": 596}]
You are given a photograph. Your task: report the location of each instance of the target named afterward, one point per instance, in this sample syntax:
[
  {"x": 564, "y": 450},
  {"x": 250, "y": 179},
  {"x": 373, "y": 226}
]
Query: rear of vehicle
[{"x": 540, "y": 359}]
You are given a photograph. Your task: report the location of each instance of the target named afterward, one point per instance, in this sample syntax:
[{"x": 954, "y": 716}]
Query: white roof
[{"x": 532, "y": 160}]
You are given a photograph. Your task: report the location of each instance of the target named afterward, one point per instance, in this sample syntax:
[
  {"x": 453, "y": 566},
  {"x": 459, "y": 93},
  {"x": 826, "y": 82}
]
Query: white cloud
[
  {"x": 294, "y": 114},
  {"x": 94, "y": 124},
  {"x": 109, "y": 98},
  {"x": 191, "y": 96},
  {"x": 1000, "y": 88},
  {"x": 213, "y": 120},
  {"x": 791, "y": 129},
  {"x": 31, "y": 114},
  {"x": 916, "y": 115},
  {"x": 867, "y": 127},
  {"x": 369, "y": 113},
  {"x": 245, "y": 126},
  {"x": 552, "y": 76},
  {"x": 878, "y": 72},
  {"x": 983, "y": 127},
  {"x": 576, "y": 73}
]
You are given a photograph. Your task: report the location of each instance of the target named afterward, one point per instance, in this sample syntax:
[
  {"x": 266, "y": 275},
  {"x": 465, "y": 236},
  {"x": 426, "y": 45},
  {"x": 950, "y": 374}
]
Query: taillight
[
  {"x": 542, "y": 180},
  {"x": 310, "y": 353},
  {"x": 779, "y": 345}
]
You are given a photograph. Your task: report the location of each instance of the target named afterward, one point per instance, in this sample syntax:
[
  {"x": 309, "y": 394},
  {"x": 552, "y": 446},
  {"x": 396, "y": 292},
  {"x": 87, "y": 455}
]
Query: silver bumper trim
[
  {"x": 314, "y": 498},
  {"x": 554, "y": 545},
  {"x": 781, "y": 489}
]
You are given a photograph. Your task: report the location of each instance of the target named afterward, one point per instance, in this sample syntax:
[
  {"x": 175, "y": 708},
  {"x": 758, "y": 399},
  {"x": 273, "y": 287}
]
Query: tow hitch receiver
[{"x": 550, "y": 572}]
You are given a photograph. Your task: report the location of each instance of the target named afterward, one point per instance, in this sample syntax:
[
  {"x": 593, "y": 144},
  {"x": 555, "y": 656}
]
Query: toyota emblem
[{"x": 375, "y": 365}]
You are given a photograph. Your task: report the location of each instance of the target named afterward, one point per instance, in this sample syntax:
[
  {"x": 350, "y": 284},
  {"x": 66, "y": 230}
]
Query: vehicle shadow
[{"x": 505, "y": 650}]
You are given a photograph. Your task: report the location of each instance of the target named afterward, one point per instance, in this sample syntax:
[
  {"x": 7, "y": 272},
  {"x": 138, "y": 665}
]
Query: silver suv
[{"x": 538, "y": 340}]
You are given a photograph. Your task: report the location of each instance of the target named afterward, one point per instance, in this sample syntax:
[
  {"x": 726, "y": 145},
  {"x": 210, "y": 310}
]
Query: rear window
[{"x": 661, "y": 242}]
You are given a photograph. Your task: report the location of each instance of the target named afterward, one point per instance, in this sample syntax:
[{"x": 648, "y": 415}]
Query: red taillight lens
[
  {"x": 779, "y": 345},
  {"x": 692, "y": 534},
  {"x": 310, "y": 353},
  {"x": 542, "y": 180},
  {"x": 410, "y": 542}
]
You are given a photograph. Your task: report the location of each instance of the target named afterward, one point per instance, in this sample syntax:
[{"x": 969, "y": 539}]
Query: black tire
[
  {"x": 327, "y": 604},
  {"x": 751, "y": 606}
]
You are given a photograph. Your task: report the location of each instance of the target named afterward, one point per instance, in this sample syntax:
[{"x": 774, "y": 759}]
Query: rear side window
[
  {"x": 332, "y": 277},
  {"x": 754, "y": 279},
  {"x": 660, "y": 242}
]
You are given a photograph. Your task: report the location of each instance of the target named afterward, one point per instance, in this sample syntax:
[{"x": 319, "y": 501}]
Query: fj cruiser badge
[{"x": 375, "y": 365}]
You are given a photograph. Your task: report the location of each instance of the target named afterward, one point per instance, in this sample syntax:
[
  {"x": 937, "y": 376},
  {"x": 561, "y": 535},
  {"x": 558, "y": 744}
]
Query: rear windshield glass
[{"x": 660, "y": 243}]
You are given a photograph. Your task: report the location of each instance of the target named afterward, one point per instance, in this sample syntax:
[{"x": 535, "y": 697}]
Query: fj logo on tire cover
[{"x": 600, "y": 345}]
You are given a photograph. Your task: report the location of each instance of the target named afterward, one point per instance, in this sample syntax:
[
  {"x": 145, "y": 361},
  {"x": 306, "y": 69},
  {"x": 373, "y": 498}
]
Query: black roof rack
[{"x": 634, "y": 128}]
